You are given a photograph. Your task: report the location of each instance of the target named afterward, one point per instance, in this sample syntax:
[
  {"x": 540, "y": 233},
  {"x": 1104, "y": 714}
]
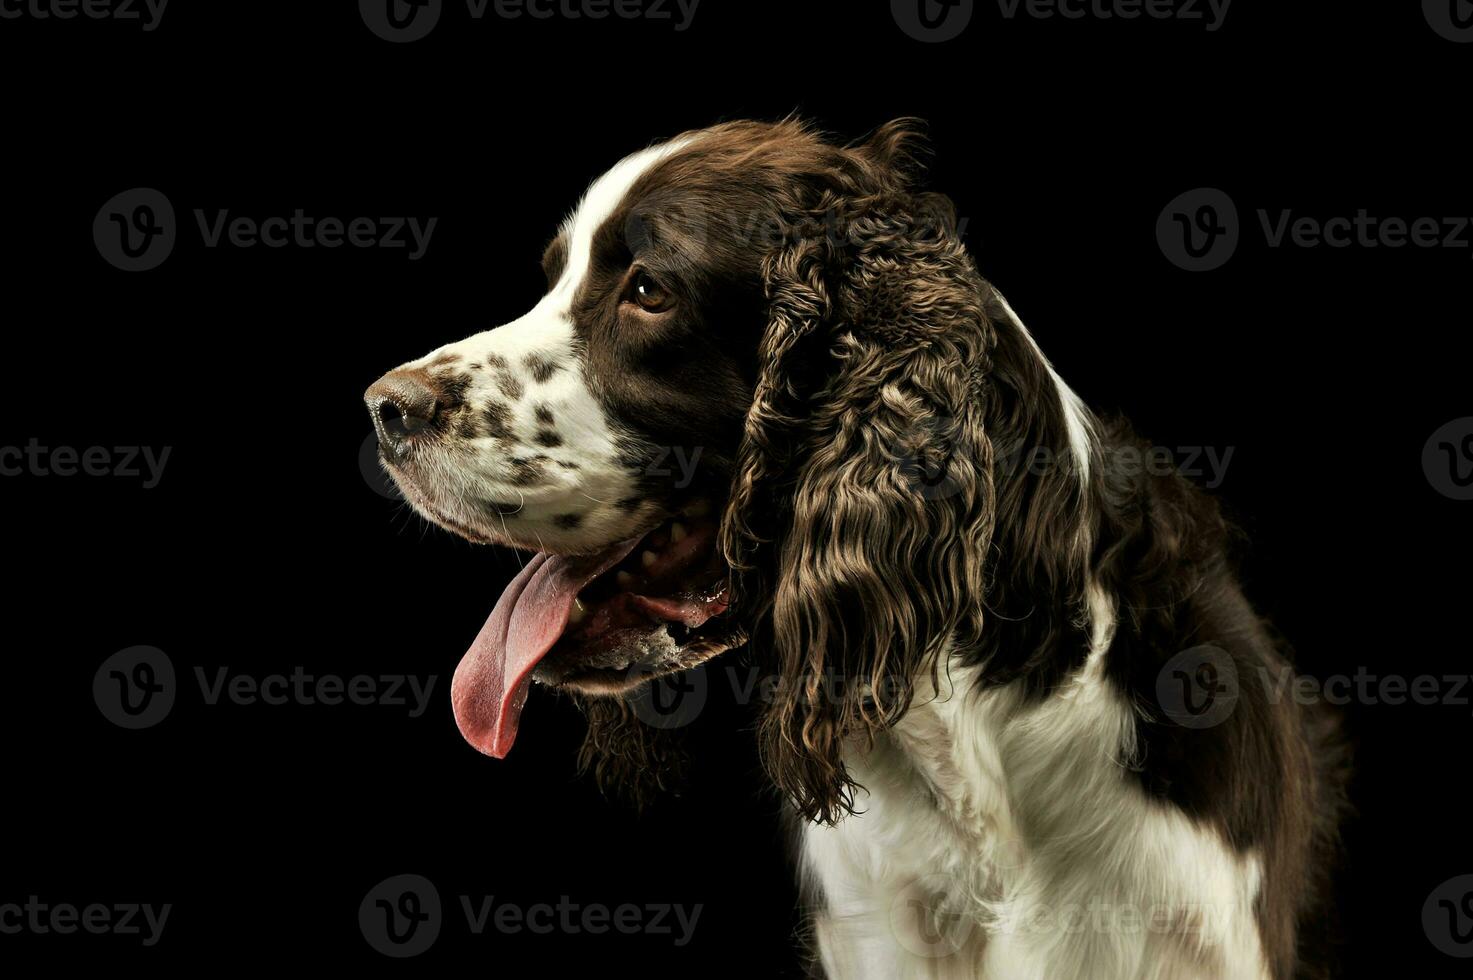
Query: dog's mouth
[{"x": 601, "y": 624}]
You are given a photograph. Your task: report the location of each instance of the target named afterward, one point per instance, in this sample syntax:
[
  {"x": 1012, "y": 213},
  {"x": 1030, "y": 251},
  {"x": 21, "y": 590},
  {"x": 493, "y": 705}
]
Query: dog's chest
[
  {"x": 996, "y": 841},
  {"x": 909, "y": 883}
]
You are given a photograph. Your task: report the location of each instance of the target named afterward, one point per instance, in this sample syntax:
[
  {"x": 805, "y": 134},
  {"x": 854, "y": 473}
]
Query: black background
[{"x": 264, "y": 549}]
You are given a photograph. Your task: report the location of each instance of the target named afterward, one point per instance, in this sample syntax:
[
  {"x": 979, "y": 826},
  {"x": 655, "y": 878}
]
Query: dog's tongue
[{"x": 491, "y": 683}]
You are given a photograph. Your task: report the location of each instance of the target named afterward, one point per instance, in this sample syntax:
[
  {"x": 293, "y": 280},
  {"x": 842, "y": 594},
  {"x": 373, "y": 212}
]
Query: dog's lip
[
  {"x": 490, "y": 684},
  {"x": 535, "y": 615},
  {"x": 427, "y": 507},
  {"x": 673, "y": 579},
  {"x": 718, "y": 636},
  {"x": 655, "y": 607}
]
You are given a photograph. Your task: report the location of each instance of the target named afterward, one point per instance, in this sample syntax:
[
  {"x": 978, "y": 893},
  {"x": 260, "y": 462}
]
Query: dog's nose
[{"x": 401, "y": 403}]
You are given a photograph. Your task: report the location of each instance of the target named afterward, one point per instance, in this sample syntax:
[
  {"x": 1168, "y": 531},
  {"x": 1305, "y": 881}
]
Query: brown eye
[{"x": 649, "y": 294}]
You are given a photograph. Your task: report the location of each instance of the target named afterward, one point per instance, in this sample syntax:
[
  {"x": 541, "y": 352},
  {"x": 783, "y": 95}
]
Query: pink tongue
[{"x": 491, "y": 683}]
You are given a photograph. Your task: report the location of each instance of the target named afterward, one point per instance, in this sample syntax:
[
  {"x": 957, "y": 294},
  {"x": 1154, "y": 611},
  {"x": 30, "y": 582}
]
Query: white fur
[{"x": 1035, "y": 851}]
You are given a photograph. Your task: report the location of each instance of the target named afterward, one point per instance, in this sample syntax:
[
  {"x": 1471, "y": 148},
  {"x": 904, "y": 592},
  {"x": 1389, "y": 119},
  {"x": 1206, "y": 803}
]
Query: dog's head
[{"x": 736, "y": 414}]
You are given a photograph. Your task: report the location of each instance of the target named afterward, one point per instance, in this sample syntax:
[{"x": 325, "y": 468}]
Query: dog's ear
[{"x": 862, "y": 506}]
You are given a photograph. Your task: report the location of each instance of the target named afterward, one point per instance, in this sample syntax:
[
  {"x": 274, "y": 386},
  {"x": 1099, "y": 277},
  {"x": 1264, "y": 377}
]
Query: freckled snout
[{"x": 403, "y": 403}]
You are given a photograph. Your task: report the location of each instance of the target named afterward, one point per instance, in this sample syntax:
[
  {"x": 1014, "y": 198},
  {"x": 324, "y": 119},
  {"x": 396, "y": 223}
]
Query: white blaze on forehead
[
  {"x": 547, "y": 328},
  {"x": 599, "y": 204}
]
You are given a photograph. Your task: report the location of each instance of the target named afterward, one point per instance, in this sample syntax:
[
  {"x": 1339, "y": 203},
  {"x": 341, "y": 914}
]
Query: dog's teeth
[
  {"x": 677, "y": 532},
  {"x": 576, "y": 614},
  {"x": 648, "y": 558},
  {"x": 624, "y": 578},
  {"x": 698, "y": 509}
]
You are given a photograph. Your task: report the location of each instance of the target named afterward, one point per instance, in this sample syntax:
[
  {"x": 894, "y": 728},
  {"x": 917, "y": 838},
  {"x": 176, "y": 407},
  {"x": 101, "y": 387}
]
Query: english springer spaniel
[{"x": 971, "y": 610}]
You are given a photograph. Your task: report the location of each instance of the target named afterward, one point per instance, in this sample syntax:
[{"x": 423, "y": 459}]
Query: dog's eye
[{"x": 649, "y": 294}]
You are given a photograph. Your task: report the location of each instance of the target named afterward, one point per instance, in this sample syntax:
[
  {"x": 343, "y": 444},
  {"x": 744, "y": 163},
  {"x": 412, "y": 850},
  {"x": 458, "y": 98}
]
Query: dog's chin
[
  {"x": 425, "y": 505},
  {"x": 640, "y": 659}
]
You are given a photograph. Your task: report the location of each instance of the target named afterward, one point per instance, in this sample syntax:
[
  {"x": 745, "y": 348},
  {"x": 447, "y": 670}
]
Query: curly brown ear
[{"x": 862, "y": 507}]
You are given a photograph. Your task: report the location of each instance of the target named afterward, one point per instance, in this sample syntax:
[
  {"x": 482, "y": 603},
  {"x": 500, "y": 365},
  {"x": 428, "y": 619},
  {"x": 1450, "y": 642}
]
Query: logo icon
[
  {"x": 400, "y": 21},
  {"x": 135, "y": 230},
  {"x": 1447, "y": 459},
  {"x": 664, "y": 214},
  {"x": 134, "y": 688},
  {"x": 932, "y": 21},
  {"x": 670, "y": 702},
  {"x": 1451, "y": 19},
  {"x": 377, "y": 478},
  {"x": 922, "y": 922},
  {"x": 400, "y": 916},
  {"x": 1447, "y": 917},
  {"x": 930, "y": 457},
  {"x": 1198, "y": 688},
  {"x": 1198, "y": 231}
]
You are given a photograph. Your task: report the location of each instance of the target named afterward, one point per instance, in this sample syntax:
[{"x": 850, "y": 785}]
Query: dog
[{"x": 1023, "y": 714}]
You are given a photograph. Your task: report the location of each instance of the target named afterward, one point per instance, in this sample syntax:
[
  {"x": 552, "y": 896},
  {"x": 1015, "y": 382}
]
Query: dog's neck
[
  {"x": 953, "y": 737},
  {"x": 987, "y": 814}
]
